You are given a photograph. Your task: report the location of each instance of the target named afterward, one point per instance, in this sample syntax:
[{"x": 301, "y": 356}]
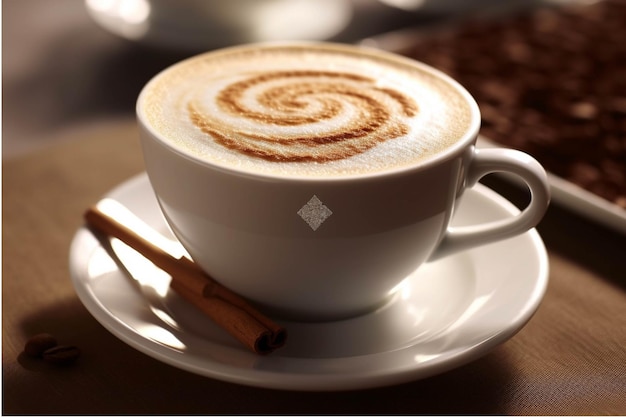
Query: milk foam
[{"x": 312, "y": 111}]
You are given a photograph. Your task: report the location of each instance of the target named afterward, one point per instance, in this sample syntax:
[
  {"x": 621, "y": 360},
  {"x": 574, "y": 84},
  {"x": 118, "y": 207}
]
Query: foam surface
[{"x": 316, "y": 111}]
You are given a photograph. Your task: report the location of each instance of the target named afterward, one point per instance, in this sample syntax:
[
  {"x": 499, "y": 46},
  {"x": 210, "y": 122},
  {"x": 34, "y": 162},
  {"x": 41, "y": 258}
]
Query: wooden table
[{"x": 69, "y": 137}]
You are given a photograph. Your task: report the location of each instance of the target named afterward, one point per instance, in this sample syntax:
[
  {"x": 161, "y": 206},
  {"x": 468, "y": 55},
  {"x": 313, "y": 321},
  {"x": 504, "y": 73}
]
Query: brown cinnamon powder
[{"x": 285, "y": 104}]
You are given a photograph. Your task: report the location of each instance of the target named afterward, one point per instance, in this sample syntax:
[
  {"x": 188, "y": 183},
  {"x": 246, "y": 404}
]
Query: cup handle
[{"x": 486, "y": 161}]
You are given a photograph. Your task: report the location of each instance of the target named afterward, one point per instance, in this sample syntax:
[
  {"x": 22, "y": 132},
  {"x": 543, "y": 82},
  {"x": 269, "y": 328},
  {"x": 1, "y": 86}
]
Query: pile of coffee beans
[
  {"x": 46, "y": 347},
  {"x": 551, "y": 82}
]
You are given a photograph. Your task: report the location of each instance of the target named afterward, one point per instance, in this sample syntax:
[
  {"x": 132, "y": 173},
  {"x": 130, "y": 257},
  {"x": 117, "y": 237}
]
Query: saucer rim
[{"x": 288, "y": 380}]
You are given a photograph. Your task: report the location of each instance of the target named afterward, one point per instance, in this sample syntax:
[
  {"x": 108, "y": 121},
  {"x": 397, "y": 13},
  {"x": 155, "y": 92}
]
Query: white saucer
[{"x": 449, "y": 313}]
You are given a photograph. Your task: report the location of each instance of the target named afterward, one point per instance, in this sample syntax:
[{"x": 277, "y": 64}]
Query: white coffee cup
[{"x": 327, "y": 246}]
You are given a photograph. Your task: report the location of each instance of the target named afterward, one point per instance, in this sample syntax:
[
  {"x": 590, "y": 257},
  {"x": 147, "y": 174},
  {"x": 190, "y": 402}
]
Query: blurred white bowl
[{"x": 205, "y": 24}]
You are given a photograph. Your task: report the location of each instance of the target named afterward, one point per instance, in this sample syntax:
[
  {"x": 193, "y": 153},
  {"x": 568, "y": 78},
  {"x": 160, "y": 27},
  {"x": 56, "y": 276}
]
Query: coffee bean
[
  {"x": 38, "y": 344},
  {"x": 62, "y": 354},
  {"x": 583, "y": 110}
]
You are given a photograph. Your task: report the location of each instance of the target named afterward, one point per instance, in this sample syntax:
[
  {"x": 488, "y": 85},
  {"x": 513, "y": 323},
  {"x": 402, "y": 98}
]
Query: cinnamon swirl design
[{"x": 303, "y": 115}]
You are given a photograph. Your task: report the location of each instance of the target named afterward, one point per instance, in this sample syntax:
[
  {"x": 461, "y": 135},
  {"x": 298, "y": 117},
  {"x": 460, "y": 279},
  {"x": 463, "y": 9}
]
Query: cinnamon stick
[
  {"x": 249, "y": 332},
  {"x": 226, "y": 308}
]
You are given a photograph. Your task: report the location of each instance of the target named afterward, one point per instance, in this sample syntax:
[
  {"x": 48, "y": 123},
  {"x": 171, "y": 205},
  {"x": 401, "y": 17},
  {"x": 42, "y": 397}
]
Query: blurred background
[
  {"x": 72, "y": 65},
  {"x": 547, "y": 74}
]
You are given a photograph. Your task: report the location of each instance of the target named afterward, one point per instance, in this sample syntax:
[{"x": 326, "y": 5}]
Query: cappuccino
[{"x": 307, "y": 110}]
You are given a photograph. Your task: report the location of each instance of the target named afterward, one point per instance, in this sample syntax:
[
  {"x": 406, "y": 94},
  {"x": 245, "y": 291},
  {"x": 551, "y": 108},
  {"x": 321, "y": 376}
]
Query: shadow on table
[{"x": 110, "y": 377}]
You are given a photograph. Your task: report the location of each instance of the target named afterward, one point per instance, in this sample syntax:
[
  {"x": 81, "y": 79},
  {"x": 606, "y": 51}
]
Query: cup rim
[{"x": 468, "y": 138}]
